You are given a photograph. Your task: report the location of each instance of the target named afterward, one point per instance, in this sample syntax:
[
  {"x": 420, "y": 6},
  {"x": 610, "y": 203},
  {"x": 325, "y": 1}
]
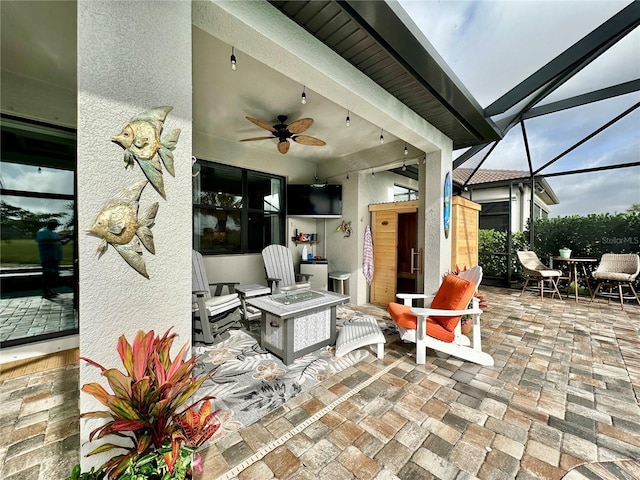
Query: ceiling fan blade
[
  {"x": 283, "y": 147},
  {"x": 256, "y": 138},
  {"x": 307, "y": 140},
  {"x": 261, "y": 124},
  {"x": 300, "y": 126}
]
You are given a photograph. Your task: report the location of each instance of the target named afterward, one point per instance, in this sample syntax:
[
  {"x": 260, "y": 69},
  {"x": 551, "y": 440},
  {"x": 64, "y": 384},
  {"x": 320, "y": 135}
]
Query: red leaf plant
[{"x": 147, "y": 406}]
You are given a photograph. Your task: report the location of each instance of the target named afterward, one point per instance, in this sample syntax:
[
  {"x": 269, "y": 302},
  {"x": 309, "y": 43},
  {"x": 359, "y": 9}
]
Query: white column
[
  {"x": 437, "y": 248},
  {"x": 132, "y": 56}
]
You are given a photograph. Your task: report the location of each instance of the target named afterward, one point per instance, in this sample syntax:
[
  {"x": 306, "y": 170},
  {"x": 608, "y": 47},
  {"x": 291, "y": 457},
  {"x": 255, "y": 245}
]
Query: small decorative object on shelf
[{"x": 304, "y": 238}]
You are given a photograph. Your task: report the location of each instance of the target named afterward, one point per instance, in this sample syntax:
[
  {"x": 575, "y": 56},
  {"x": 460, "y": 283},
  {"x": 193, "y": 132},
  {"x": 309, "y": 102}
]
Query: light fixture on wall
[
  {"x": 348, "y": 120},
  {"x": 424, "y": 160},
  {"x": 406, "y": 151},
  {"x": 303, "y": 97},
  {"x": 381, "y": 135},
  {"x": 234, "y": 65}
]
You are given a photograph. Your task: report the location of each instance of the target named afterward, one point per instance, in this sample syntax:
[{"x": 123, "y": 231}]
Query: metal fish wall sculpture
[
  {"x": 141, "y": 140},
  {"x": 118, "y": 224}
]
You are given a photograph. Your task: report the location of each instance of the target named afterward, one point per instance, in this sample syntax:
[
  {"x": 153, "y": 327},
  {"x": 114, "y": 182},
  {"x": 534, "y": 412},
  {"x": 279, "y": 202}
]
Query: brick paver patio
[{"x": 561, "y": 402}]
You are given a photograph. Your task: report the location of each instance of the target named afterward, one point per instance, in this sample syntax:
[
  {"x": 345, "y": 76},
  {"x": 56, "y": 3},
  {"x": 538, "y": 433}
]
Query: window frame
[
  {"x": 409, "y": 193},
  {"x": 245, "y": 210}
]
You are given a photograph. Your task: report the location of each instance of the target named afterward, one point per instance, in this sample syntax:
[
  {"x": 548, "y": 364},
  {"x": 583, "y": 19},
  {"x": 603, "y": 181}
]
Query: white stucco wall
[{"x": 126, "y": 66}]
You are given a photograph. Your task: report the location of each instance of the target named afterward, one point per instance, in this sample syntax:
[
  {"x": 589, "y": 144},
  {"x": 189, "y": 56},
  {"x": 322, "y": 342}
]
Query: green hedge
[{"x": 586, "y": 236}]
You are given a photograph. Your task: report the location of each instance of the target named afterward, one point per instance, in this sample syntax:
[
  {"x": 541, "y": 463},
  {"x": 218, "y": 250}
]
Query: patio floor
[{"x": 561, "y": 402}]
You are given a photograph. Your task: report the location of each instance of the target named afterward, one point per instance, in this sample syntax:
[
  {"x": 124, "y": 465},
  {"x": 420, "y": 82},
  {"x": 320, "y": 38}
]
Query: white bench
[{"x": 360, "y": 332}]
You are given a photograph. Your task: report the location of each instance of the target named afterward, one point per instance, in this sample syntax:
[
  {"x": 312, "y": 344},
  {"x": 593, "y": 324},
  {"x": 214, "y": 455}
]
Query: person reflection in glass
[{"x": 50, "y": 250}]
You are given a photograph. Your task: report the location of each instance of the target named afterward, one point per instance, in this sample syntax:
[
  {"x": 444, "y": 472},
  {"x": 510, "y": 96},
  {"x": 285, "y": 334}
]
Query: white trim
[{"x": 39, "y": 349}]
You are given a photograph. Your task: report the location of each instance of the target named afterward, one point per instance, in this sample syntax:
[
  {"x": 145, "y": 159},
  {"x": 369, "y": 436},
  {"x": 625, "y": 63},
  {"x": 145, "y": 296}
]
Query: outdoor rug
[{"x": 249, "y": 382}]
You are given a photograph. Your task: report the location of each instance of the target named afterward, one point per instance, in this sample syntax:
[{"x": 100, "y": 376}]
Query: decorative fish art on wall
[
  {"x": 118, "y": 224},
  {"x": 141, "y": 140}
]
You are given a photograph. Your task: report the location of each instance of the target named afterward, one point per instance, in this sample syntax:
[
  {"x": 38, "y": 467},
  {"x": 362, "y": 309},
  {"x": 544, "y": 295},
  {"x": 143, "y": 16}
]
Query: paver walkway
[{"x": 561, "y": 402}]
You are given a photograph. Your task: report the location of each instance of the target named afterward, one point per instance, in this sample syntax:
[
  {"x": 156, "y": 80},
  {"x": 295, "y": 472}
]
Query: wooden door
[{"x": 385, "y": 242}]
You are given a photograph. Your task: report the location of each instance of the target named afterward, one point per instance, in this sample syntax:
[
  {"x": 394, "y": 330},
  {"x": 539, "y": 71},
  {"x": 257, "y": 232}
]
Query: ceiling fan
[{"x": 284, "y": 132}]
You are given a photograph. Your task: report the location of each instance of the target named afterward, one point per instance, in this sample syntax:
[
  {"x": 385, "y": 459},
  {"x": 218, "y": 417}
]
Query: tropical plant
[{"x": 147, "y": 408}]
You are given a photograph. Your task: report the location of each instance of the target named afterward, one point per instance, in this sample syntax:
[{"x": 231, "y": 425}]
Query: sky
[{"x": 491, "y": 46}]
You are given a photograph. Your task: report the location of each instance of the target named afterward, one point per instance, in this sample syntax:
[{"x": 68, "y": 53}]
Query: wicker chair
[
  {"x": 617, "y": 269},
  {"x": 535, "y": 270}
]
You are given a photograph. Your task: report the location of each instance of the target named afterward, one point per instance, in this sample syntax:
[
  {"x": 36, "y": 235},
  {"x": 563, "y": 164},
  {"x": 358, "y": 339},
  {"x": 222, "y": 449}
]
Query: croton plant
[{"x": 148, "y": 409}]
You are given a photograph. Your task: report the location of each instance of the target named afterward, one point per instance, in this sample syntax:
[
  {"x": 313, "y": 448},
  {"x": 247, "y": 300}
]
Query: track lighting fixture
[
  {"x": 348, "y": 121},
  {"x": 406, "y": 152},
  {"x": 303, "y": 97},
  {"x": 381, "y": 135},
  {"x": 234, "y": 65}
]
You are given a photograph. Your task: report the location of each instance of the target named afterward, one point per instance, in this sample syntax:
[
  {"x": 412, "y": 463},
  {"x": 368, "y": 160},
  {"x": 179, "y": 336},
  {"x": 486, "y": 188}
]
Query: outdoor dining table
[{"x": 572, "y": 264}]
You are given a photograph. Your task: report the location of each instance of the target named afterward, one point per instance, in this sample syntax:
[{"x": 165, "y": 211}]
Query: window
[
  {"x": 538, "y": 212},
  {"x": 495, "y": 215},
  {"x": 235, "y": 210},
  {"x": 37, "y": 182},
  {"x": 402, "y": 194}
]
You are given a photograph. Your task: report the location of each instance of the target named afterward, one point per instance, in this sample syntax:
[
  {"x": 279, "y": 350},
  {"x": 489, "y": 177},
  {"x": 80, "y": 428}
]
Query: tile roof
[{"x": 460, "y": 175}]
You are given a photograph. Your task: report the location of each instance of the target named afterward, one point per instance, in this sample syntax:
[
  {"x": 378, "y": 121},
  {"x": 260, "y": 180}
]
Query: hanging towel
[{"x": 367, "y": 261}]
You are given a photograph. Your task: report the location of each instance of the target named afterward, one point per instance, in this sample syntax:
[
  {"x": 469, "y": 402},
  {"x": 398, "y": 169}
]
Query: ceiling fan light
[{"x": 234, "y": 65}]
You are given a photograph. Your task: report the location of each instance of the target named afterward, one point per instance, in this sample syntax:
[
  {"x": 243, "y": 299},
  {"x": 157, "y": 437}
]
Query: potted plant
[
  {"x": 147, "y": 408},
  {"x": 565, "y": 252},
  {"x": 466, "y": 324}
]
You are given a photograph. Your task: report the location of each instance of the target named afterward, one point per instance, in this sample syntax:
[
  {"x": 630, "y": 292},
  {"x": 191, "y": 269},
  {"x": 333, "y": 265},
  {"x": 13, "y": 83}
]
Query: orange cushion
[
  {"x": 454, "y": 294},
  {"x": 402, "y": 315},
  {"x": 435, "y": 330}
]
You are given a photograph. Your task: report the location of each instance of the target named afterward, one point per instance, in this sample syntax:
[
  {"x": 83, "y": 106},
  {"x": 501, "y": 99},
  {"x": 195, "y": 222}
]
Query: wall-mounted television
[{"x": 316, "y": 201}]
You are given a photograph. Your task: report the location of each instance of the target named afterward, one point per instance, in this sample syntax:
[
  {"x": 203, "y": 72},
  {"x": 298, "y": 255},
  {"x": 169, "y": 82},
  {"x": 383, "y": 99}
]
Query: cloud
[{"x": 494, "y": 45}]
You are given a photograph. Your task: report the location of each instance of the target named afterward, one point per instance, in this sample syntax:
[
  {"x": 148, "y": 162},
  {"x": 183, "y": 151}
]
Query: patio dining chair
[
  {"x": 213, "y": 314},
  {"x": 278, "y": 267},
  {"x": 538, "y": 272},
  {"x": 617, "y": 270}
]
